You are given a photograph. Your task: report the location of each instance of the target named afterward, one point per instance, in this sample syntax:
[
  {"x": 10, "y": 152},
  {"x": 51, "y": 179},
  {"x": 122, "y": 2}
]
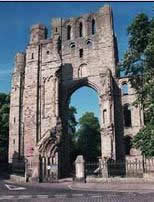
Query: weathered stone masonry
[{"x": 81, "y": 52}]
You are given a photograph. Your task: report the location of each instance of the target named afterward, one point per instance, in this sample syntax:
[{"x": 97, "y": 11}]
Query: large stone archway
[
  {"x": 48, "y": 73},
  {"x": 102, "y": 84}
]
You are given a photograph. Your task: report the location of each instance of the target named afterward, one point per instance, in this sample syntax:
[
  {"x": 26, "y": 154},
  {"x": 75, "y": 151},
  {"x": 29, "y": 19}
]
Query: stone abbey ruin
[{"x": 82, "y": 51}]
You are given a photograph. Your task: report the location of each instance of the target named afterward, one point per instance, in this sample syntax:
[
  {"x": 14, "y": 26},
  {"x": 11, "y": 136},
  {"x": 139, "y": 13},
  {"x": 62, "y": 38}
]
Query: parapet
[
  {"x": 38, "y": 26},
  {"x": 20, "y": 61},
  {"x": 56, "y": 25},
  {"x": 106, "y": 10},
  {"x": 20, "y": 57},
  {"x": 38, "y": 32}
]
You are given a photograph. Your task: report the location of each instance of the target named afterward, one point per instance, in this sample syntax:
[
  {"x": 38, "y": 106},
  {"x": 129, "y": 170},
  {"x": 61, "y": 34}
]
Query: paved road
[{"x": 66, "y": 192}]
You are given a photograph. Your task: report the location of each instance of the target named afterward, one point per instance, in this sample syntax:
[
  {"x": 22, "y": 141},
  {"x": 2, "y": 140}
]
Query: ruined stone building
[{"x": 82, "y": 51}]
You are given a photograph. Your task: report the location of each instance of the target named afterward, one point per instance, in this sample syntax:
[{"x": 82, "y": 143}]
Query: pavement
[
  {"x": 138, "y": 187},
  {"x": 114, "y": 187},
  {"x": 67, "y": 191}
]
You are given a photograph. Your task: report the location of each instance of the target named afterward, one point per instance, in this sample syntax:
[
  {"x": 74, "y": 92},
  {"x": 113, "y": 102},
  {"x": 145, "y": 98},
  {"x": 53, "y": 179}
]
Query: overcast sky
[{"x": 16, "y": 18}]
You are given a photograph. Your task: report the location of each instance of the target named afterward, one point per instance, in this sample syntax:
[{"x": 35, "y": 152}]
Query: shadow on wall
[
  {"x": 18, "y": 165},
  {"x": 119, "y": 127},
  {"x": 67, "y": 71}
]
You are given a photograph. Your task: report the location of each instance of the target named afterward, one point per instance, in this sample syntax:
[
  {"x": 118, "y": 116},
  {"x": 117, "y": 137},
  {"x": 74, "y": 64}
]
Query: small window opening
[
  {"x": 89, "y": 43},
  {"x": 48, "y": 52},
  {"x": 72, "y": 45},
  {"x": 127, "y": 144},
  {"x": 13, "y": 141},
  {"x": 104, "y": 115},
  {"x": 32, "y": 57},
  {"x": 56, "y": 29},
  {"x": 81, "y": 53},
  {"x": 127, "y": 116},
  {"x": 14, "y": 120},
  {"x": 80, "y": 29},
  {"x": 93, "y": 27},
  {"x": 124, "y": 89},
  {"x": 68, "y": 32}
]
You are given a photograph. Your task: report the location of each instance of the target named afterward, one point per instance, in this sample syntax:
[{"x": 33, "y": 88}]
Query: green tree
[
  {"x": 4, "y": 125},
  {"x": 71, "y": 118},
  {"x": 139, "y": 63},
  {"x": 72, "y": 123},
  {"x": 89, "y": 137}
]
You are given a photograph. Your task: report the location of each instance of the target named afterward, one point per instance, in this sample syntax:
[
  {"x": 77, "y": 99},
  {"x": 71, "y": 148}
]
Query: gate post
[
  {"x": 104, "y": 167},
  {"x": 35, "y": 169},
  {"x": 79, "y": 169}
]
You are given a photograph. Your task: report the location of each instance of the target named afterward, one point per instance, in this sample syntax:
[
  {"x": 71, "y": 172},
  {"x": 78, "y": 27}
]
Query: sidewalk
[
  {"x": 135, "y": 186},
  {"x": 115, "y": 187}
]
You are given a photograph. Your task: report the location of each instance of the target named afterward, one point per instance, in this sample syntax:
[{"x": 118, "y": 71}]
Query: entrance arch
[
  {"x": 85, "y": 136},
  {"x": 104, "y": 86}
]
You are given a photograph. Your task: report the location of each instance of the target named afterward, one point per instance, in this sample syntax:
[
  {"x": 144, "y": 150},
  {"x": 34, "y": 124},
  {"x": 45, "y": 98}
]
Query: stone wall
[{"x": 81, "y": 52}]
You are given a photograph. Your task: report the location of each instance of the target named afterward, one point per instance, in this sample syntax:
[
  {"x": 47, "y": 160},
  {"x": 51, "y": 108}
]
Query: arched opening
[
  {"x": 68, "y": 32},
  {"x": 104, "y": 115},
  {"x": 81, "y": 53},
  {"x": 93, "y": 27},
  {"x": 32, "y": 56},
  {"x": 127, "y": 144},
  {"x": 80, "y": 29},
  {"x": 124, "y": 89},
  {"x": 127, "y": 115},
  {"x": 83, "y": 124}
]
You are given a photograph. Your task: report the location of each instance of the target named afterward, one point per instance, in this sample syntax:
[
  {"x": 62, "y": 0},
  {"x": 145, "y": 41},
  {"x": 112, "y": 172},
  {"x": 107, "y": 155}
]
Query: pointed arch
[
  {"x": 68, "y": 32},
  {"x": 93, "y": 26},
  {"x": 80, "y": 29},
  {"x": 127, "y": 115}
]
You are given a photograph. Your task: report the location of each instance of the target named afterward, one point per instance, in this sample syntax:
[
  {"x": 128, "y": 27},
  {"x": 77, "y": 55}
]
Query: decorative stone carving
[{"x": 48, "y": 145}]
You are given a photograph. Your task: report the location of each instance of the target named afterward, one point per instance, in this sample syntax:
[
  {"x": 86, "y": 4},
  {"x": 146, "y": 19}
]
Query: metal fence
[
  {"x": 128, "y": 168},
  {"x": 18, "y": 167}
]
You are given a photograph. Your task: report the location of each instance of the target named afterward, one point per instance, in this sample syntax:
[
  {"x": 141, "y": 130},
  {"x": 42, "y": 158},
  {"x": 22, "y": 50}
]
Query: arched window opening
[
  {"x": 32, "y": 57},
  {"x": 56, "y": 29},
  {"x": 124, "y": 89},
  {"x": 85, "y": 137},
  {"x": 68, "y": 32},
  {"x": 81, "y": 52},
  {"x": 80, "y": 29},
  {"x": 127, "y": 116},
  {"x": 127, "y": 144},
  {"x": 104, "y": 115},
  {"x": 89, "y": 43},
  {"x": 72, "y": 45},
  {"x": 93, "y": 27},
  {"x": 82, "y": 72}
]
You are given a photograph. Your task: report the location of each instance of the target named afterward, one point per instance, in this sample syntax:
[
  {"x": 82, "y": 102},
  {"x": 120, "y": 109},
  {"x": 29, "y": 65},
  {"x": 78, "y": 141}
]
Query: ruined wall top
[
  {"x": 38, "y": 32},
  {"x": 87, "y": 22},
  {"x": 106, "y": 10},
  {"x": 102, "y": 18},
  {"x": 19, "y": 62}
]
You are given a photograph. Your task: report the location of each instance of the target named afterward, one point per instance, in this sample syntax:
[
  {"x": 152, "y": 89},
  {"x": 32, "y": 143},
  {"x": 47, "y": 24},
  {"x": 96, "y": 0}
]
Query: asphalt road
[{"x": 57, "y": 192}]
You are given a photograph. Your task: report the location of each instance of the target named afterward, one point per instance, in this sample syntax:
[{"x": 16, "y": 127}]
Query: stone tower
[{"x": 82, "y": 51}]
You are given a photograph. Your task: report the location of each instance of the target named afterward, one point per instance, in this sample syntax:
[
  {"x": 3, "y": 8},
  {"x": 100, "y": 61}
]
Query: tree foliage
[
  {"x": 89, "y": 137},
  {"x": 139, "y": 63},
  {"x": 86, "y": 140},
  {"x": 4, "y": 125},
  {"x": 71, "y": 118}
]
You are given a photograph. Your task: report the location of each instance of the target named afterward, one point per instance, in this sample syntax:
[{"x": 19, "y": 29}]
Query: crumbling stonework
[{"x": 81, "y": 52}]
